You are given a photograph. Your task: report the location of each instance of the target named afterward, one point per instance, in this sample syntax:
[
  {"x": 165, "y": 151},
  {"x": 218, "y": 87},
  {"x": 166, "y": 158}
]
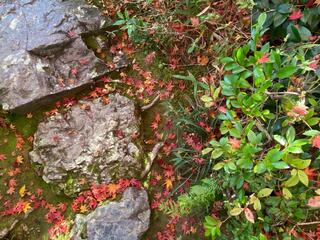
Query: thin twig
[
  {"x": 150, "y": 105},
  {"x": 152, "y": 156},
  {"x": 308, "y": 223},
  {"x": 282, "y": 93}
]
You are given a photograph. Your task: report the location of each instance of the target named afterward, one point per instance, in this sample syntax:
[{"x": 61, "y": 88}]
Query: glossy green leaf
[
  {"x": 286, "y": 71},
  {"x": 280, "y": 139}
]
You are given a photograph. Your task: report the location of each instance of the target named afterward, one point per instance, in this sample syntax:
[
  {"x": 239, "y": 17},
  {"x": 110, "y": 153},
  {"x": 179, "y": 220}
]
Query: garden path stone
[
  {"x": 42, "y": 55},
  {"x": 92, "y": 141},
  {"x": 127, "y": 219}
]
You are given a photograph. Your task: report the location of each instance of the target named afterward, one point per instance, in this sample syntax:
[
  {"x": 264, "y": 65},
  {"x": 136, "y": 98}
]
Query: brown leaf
[{"x": 202, "y": 60}]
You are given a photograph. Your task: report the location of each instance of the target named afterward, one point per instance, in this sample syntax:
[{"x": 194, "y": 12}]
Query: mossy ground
[{"x": 34, "y": 225}]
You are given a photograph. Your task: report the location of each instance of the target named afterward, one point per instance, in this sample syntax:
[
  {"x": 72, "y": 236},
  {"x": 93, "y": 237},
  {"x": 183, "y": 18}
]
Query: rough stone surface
[
  {"x": 92, "y": 141},
  {"x": 124, "y": 220},
  {"x": 42, "y": 55}
]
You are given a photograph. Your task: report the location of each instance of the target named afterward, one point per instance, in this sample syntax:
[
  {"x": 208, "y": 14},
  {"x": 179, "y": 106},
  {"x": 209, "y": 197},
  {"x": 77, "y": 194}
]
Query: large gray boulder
[
  {"x": 42, "y": 55},
  {"x": 91, "y": 141},
  {"x": 124, "y": 220}
]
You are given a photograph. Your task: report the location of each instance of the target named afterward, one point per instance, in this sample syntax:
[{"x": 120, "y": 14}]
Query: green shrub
[{"x": 265, "y": 154}]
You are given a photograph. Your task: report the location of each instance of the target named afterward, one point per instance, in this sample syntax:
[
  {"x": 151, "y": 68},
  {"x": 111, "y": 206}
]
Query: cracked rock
[
  {"x": 124, "y": 220},
  {"x": 42, "y": 55},
  {"x": 91, "y": 141}
]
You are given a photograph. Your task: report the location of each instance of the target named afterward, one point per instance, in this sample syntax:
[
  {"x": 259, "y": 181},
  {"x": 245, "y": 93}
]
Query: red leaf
[
  {"x": 314, "y": 202},
  {"x": 316, "y": 141},
  {"x": 300, "y": 110},
  {"x": 222, "y": 109},
  {"x": 249, "y": 215},
  {"x": 295, "y": 15},
  {"x": 195, "y": 21},
  {"x": 311, "y": 173},
  {"x": 149, "y": 58},
  {"x": 313, "y": 65},
  {"x": 2, "y": 157},
  {"x": 235, "y": 143},
  {"x": 264, "y": 58}
]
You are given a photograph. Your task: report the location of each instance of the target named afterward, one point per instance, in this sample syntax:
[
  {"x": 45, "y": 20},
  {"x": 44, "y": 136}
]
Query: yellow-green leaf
[
  {"x": 318, "y": 191},
  {"x": 292, "y": 181},
  {"x": 257, "y": 204},
  {"x": 303, "y": 177},
  {"x": 265, "y": 192},
  {"x": 206, "y": 151},
  {"x": 206, "y": 98},
  {"x": 236, "y": 211},
  {"x": 218, "y": 166},
  {"x": 286, "y": 193}
]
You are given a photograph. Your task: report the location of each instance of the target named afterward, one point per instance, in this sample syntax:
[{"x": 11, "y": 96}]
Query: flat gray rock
[
  {"x": 124, "y": 220},
  {"x": 42, "y": 55},
  {"x": 91, "y": 141}
]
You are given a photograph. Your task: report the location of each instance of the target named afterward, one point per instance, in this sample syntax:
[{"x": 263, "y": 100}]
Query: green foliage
[
  {"x": 280, "y": 24},
  {"x": 265, "y": 146},
  {"x": 134, "y": 26},
  {"x": 249, "y": 4},
  {"x": 198, "y": 198},
  {"x": 212, "y": 227}
]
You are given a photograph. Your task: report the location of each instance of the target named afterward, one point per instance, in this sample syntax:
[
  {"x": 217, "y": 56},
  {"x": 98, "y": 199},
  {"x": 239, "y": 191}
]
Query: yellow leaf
[
  {"x": 83, "y": 209},
  {"x": 19, "y": 159},
  {"x": 113, "y": 188},
  {"x": 168, "y": 184},
  {"x": 26, "y": 207},
  {"x": 22, "y": 191}
]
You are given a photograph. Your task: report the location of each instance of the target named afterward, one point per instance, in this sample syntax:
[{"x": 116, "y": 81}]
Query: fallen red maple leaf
[{"x": 2, "y": 157}]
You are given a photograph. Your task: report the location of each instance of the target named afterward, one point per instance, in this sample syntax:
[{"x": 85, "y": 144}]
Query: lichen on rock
[{"x": 91, "y": 141}]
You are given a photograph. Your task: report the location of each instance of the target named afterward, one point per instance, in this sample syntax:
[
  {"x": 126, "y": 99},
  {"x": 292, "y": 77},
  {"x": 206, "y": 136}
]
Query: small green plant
[
  {"x": 212, "y": 227},
  {"x": 249, "y": 4},
  {"x": 135, "y": 27},
  {"x": 198, "y": 198}
]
